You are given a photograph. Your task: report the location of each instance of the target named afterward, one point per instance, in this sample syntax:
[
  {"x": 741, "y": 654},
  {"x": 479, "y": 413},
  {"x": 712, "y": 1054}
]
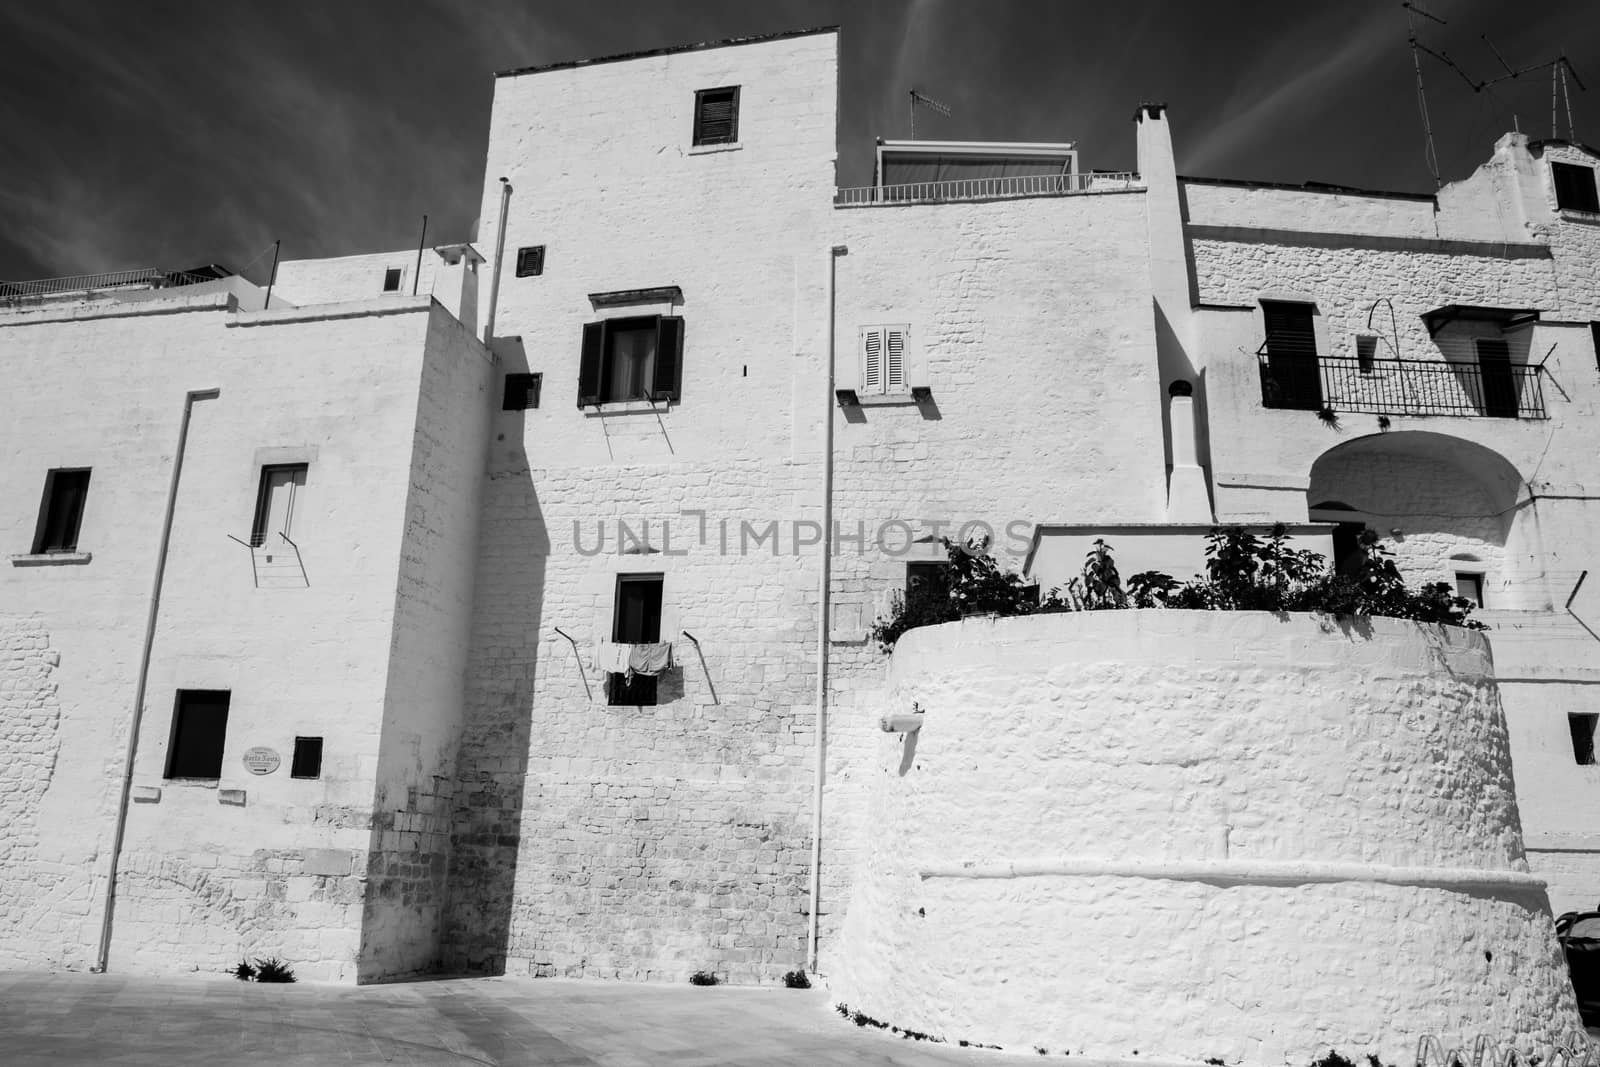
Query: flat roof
[{"x": 672, "y": 50}]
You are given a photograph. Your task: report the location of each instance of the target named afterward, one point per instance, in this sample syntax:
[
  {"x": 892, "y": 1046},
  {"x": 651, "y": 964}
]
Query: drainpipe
[
  {"x": 499, "y": 257},
  {"x": 824, "y": 581},
  {"x": 144, "y": 676}
]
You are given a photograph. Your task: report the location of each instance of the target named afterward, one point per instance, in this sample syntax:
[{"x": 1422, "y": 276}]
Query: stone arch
[{"x": 1433, "y": 500}]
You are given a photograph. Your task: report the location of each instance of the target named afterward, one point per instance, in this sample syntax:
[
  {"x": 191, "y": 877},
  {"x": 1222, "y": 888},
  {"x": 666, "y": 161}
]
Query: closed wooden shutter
[
  {"x": 894, "y": 369},
  {"x": 668, "y": 379},
  {"x": 716, "y": 116},
  {"x": 591, "y": 364},
  {"x": 1294, "y": 375},
  {"x": 872, "y": 361}
]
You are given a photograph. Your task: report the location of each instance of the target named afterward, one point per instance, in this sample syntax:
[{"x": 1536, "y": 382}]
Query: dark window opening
[
  {"x": 637, "y": 621},
  {"x": 522, "y": 391},
  {"x": 927, "y": 582},
  {"x": 391, "y": 280},
  {"x": 1582, "y": 727},
  {"x": 1499, "y": 380},
  {"x": 307, "y": 762},
  {"x": 1469, "y": 586},
  {"x": 1594, "y": 335},
  {"x": 530, "y": 261},
  {"x": 716, "y": 116},
  {"x": 1366, "y": 353},
  {"x": 282, "y": 486},
  {"x": 1575, "y": 188},
  {"x": 631, "y": 359},
  {"x": 61, "y": 511},
  {"x": 199, "y": 727},
  {"x": 1292, "y": 377}
]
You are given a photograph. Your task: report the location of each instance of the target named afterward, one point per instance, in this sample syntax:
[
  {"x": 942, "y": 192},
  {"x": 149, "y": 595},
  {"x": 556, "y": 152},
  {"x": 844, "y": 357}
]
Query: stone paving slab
[{"x": 124, "y": 1020}]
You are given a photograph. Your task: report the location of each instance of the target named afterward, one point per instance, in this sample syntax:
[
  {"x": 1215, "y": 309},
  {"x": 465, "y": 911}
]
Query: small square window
[
  {"x": 307, "y": 762},
  {"x": 1582, "y": 727},
  {"x": 199, "y": 727},
  {"x": 61, "y": 511},
  {"x": 716, "y": 116},
  {"x": 1575, "y": 188},
  {"x": 522, "y": 391},
  {"x": 927, "y": 581},
  {"x": 391, "y": 279},
  {"x": 530, "y": 261},
  {"x": 1366, "y": 352},
  {"x": 282, "y": 487},
  {"x": 1469, "y": 586}
]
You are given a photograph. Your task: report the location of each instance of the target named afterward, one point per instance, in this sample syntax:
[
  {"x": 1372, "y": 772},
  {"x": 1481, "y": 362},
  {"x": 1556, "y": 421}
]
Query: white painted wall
[{"x": 1278, "y": 834}]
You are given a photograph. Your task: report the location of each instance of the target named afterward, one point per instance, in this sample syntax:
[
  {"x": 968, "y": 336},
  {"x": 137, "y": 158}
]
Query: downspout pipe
[
  {"x": 109, "y": 904},
  {"x": 499, "y": 259},
  {"x": 824, "y": 584}
]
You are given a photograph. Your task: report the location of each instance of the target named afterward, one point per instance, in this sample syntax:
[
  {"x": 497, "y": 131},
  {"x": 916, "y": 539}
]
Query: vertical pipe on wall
[
  {"x": 499, "y": 257},
  {"x": 144, "y": 676},
  {"x": 824, "y": 581}
]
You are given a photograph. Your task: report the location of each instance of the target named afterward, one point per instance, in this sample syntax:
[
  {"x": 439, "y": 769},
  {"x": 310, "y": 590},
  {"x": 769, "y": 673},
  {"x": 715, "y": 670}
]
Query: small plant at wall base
[
  {"x": 796, "y": 980},
  {"x": 272, "y": 970},
  {"x": 702, "y": 978},
  {"x": 1244, "y": 572}
]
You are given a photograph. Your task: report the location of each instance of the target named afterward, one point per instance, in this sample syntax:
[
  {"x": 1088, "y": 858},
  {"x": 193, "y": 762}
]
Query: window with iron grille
[
  {"x": 1575, "y": 187},
  {"x": 530, "y": 261},
  {"x": 199, "y": 728},
  {"x": 716, "y": 116},
  {"x": 61, "y": 511},
  {"x": 883, "y": 359},
  {"x": 636, "y": 620},
  {"x": 522, "y": 391},
  {"x": 638, "y": 358}
]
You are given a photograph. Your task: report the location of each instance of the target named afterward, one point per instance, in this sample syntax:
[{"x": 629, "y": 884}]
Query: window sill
[
  {"x": 708, "y": 149},
  {"x": 627, "y": 407},
  {"x": 886, "y": 400},
  {"x": 50, "y": 559},
  {"x": 193, "y": 783},
  {"x": 1569, "y": 214}
]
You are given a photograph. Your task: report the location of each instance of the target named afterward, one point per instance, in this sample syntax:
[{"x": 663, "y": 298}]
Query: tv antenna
[
  {"x": 1430, "y": 156},
  {"x": 928, "y": 102}
]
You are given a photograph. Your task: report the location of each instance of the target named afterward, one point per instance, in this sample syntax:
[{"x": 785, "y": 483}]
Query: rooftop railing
[
  {"x": 987, "y": 189},
  {"x": 1501, "y": 390},
  {"x": 143, "y": 278}
]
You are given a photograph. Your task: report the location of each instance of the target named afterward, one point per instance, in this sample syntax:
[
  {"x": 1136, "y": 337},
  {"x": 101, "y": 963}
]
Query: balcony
[
  {"x": 1001, "y": 188},
  {"x": 1489, "y": 389},
  {"x": 146, "y": 278}
]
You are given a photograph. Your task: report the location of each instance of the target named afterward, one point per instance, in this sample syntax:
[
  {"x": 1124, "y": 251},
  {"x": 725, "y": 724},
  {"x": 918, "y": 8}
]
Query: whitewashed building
[{"x": 397, "y": 545}]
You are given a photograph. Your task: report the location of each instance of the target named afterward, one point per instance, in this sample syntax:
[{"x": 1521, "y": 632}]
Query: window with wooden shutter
[
  {"x": 282, "y": 486},
  {"x": 669, "y": 358},
  {"x": 1293, "y": 374},
  {"x": 589, "y": 367},
  {"x": 1575, "y": 187},
  {"x": 883, "y": 359},
  {"x": 716, "y": 116},
  {"x": 637, "y": 358}
]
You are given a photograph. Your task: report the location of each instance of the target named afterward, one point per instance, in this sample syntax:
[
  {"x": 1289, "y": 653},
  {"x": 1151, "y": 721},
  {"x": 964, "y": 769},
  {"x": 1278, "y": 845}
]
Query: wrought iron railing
[
  {"x": 143, "y": 278},
  {"x": 1402, "y": 386},
  {"x": 987, "y": 188}
]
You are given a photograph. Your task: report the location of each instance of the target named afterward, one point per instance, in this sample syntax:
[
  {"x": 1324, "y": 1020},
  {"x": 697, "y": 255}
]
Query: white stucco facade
[{"x": 482, "y": 806}]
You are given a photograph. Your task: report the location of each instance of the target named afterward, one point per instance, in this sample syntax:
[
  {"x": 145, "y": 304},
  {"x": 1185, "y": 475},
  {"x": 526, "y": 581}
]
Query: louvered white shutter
[
  {"x": 872, "y": 361},
  {"x": 894, "y": 370}
]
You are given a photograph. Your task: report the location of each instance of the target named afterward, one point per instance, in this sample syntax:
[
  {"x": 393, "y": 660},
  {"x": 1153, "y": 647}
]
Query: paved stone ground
[{"x": 65, "y": 1019}]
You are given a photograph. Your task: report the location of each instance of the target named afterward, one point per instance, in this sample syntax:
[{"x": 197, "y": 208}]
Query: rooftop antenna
[
  {"x": 1430, "y": 155},
  {"x": 928, "y": 102}
]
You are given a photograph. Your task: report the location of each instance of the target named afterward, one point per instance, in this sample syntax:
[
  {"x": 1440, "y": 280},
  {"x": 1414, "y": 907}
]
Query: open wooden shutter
[
  {"x": 872, "y": 361},
  {"x": 668, "y": 379},
  {"x": 592, "y": 363},
  {"x": 894, "y": 365},
  {"x": 716, "y": 116}
]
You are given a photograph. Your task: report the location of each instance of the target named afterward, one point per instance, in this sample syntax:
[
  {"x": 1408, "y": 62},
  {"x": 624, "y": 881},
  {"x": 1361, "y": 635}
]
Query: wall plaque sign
[{"x": 261, "y": 760}]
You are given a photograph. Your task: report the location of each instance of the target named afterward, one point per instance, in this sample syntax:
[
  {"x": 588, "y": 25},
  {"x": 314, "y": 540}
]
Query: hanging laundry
[
  {"x": 651, "y": 659},
  {"x": 612, "y": 657}
]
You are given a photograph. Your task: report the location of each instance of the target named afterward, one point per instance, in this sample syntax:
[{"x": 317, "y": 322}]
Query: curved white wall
[{"x": 1191, "y": 834}]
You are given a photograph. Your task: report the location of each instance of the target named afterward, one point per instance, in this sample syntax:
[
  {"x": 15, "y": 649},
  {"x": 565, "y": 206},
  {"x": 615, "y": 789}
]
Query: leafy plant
[
  {"x": 244, "y": 972},
  {"x": 273, "y": 970},
  {"x": 702, "y": 978},
  {"x": 796, "y": 980}
]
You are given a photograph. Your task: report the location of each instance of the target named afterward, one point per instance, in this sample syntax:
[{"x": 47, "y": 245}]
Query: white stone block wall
[{"x": 1283, "y": 834}]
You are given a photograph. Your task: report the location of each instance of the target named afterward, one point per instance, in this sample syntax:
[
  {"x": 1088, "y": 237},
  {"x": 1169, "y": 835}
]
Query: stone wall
[{"x": 1281, "y": 834}]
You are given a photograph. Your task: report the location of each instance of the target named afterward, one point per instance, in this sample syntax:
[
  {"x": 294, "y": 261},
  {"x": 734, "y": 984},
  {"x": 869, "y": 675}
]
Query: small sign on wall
[{"x": 261, "y": 760}]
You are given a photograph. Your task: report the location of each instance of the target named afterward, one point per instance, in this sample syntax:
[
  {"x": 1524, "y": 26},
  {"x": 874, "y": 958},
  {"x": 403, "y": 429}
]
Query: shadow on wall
[{"x": 491, "y": 768}]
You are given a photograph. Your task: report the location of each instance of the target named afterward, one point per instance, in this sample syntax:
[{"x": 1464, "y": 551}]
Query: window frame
[
  {"x": 530, "y": 261},
  {"x": 1475, "y": 578},
  {"x": 307, "y": 750},
  {"x": 1582, "y": 727},
  {"x": 705, "y": 98},
  {"x": 596, "y": 366},
  {"x": 522, "y": 391},
  {"x": 1568, "y": 180},
  {"x": 263, "y": 513},
  {"x": 642, "y": 691},
  {"x": 399, "y": 276},
  {"x": 1293, "y": 361},
  {"x": 182, "y": 758},
  {"x": 49, "y": 521},
  {"x": 885, "y": 384}
]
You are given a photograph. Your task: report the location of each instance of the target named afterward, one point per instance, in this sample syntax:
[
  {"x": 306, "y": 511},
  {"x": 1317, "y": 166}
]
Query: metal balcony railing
[
  {"x": 143, "y": 278},
  {"x": 987, "y": 189},
  {"x": 1490, "y": 389}
]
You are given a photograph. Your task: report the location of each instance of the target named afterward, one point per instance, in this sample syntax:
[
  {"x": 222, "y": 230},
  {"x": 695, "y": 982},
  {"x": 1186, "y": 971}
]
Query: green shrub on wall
[{"x": 1243, "y": 573}]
